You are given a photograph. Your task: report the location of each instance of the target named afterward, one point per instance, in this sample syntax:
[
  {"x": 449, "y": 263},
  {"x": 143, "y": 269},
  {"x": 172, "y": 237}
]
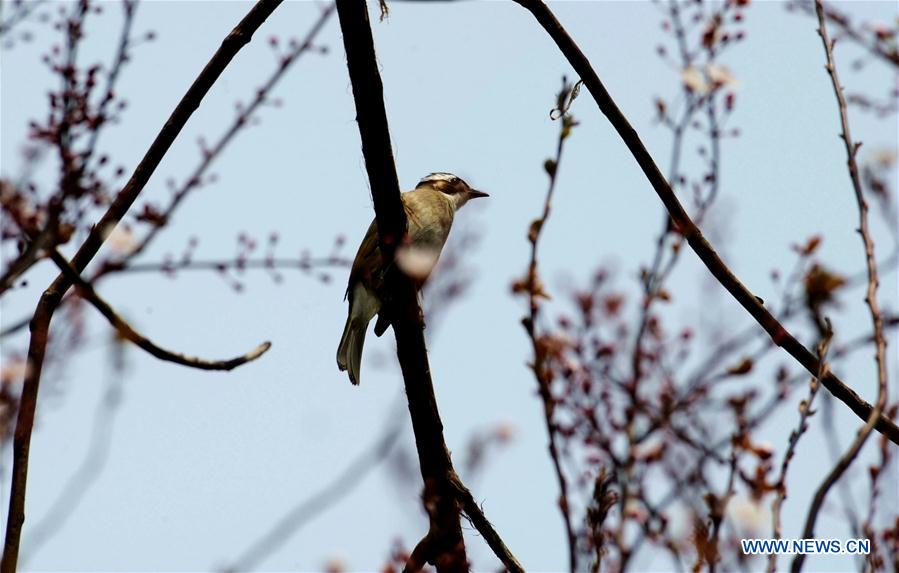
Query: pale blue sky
[{"x": 202, "y": 463}]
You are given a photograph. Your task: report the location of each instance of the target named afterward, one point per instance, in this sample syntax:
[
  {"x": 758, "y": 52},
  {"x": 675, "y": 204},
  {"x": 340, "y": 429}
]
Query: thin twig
[
  {"x": 240, "y": 121},
  {"x": 805, "y": 411},
  {"x": 300, "y": 263},
  {"x": 23, "y": 10},
  {"x": 128, "y": 333},
  {"x": 304, "y": 512},
  {"x": 221, "y": 265},
  {"x": 686, "y": 227},
  {"x": 50, "y": 299},
  {"x": 871, "y": 297},
  {"x": 129, "y": 7},
  {"x": 534, "y": 289},
  {"x": 877, "y": 49}
]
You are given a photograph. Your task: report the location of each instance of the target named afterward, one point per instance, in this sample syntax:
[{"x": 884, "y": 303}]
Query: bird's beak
[{"x": 474, "y": 194}]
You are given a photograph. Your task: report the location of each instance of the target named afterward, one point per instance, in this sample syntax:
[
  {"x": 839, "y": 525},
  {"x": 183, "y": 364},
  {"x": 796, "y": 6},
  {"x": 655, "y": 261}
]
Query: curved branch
[
  {"x": 871, "y": 296},
  {"x": 686, "y": 227},
  {"x": 50, "y": 299},
  {"x": 128, "y": 333}
]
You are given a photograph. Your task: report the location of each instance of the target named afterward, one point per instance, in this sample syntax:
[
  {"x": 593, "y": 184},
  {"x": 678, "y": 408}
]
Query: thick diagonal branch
[
  {"x": 684, "y": 225},
  {"x": 50, "y": 299}
]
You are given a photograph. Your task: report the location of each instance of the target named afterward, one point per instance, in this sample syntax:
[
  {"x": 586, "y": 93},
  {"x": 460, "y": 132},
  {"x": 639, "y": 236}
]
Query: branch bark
[
  {"x": 443, "y": 545},
  {"x": 871, "y": 295},
  {"x": 127, "y": 332},
  {"x": 684, "y": 225},
  {"x": 50, "y": 299}
]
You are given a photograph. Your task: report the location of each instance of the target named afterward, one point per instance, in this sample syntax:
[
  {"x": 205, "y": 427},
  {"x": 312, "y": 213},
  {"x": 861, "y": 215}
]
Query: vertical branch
[
  {"x": 443, "y": 545},
  {"x": 805, "y": 412},
  {"x": 534, "y": 287},
  {"x": 870, "y": 298},
  {"x": 445, "y": 496},
  {"x": 718, "y": 508},
  {"x": 50, "y": 299}
]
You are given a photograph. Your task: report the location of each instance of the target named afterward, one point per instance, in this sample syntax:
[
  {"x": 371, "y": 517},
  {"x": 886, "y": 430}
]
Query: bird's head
[{"x": 452, "y": 186}]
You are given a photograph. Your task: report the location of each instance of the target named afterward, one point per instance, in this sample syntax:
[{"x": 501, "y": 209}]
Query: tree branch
[
  {"x": 484, "y": 527},
  {"x": 686, "y": 227},
  {"x": 49, "y": 301},
  {"x": 534, "y": 287},
  {"x": 242, "y": 119},
  {"x": 128, "y": 333},
  {"x": 341, "y": 486},
  {"x": 805, "y": 411},
  {"x": 871, "y": 296},
  {"x": 221, "y": 265},
  {"x": 443, "y": 546}
]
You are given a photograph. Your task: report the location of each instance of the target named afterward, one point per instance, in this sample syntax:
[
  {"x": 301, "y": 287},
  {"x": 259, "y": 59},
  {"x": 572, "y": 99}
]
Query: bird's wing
[{"x": 368, "y": 257}]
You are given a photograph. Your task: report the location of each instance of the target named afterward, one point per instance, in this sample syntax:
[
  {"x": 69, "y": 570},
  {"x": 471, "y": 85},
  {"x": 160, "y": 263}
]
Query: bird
[{"x": 430, "y": 209}]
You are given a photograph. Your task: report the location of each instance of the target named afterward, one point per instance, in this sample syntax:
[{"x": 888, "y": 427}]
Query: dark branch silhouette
[
  {"x": 85, "y": 476},
  {"x": 685, "y": 226},
  {"x": 443, "y": 546},
  {"x": 127, "y": 332},
  {"x": 52, "y": 296},
  {"x": 870, "y": 296},
  {"x": 242, "y": 119}
]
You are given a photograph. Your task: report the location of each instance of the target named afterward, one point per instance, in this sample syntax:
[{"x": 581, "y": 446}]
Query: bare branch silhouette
[
  {"x": 92, "y": 465},
  {"x": 870, "y": 297},
  {"x": 686, "y": 227},
  {"x": 127, "y": 331},
  {"x": 878, "y": 47},
  {"x": 542, "y": 344},
  {"x": 52, "y": 296},
  {"x": 805, "y": 412},
  {"x": 443, "y": 545},
  {"x": 301, "y": 514}
]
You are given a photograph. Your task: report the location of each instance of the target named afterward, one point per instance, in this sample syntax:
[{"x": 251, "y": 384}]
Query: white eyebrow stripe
[{"x": 438, "y": 177}]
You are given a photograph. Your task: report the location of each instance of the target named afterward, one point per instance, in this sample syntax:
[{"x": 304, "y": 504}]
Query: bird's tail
[{"x": 363, "y": 307}]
